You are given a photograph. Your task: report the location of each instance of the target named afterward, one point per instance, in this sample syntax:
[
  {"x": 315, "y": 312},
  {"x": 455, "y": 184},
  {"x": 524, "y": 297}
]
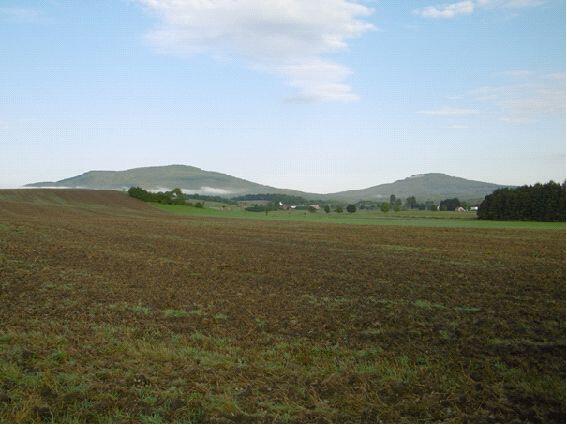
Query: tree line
[
  {"x": 275, "y": 201},
  {"x": 171, "y": 197},
  {"x": 540, "y": 202},
  {"x": 275, "y": 198}
]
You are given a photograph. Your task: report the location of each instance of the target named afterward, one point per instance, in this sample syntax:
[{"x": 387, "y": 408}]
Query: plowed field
[{"x": 113, "y": 311}]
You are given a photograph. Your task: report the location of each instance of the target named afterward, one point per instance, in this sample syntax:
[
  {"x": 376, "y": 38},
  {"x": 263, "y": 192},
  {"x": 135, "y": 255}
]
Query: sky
[{"x": 314, "y": 95}]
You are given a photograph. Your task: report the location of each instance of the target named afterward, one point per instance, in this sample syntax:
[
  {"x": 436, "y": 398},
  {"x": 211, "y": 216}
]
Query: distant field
[
  {"x": 401, "y": 218},
  {"x": 113, "y": 310}
]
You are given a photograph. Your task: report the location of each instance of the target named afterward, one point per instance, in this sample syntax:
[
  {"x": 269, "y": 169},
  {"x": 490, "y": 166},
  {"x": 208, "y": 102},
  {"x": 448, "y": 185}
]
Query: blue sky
[{"x": 318, "y": 95}]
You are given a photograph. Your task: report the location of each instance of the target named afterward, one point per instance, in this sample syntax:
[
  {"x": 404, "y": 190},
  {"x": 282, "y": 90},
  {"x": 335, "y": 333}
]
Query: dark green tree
[
  {"x": 540, "y": 202},
  {"x": 449, "y": 204},
  {"x": 411, "y": 203},
  {"x": 398, "y": 205},
  {"x": 170, "y": 197}
]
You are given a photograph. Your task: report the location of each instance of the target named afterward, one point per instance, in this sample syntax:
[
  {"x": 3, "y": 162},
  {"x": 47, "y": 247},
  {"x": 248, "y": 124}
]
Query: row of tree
[
  {"x": 540, "y": 202},
  {"x": 210, "y": 198},
  {"x": 397, "y": 204},
  {"x": 276, "y": 200}
]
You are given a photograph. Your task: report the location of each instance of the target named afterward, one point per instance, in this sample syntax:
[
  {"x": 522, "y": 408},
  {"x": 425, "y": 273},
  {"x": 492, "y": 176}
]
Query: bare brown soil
[
  {"x": 113, "y": 311},
  {"x": 73, "y": 197}
]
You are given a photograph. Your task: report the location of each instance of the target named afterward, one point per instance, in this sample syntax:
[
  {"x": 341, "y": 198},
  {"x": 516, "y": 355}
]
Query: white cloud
[
  {"x": 288, "y": 38},
  {"x": 450, "y": 112},
  {"x": 318, "y": 80},
  {"x": 446, "y": 11},
  {"x": 557, "y": 76},
  {"x": 530, "y": 100},
  {"x": 516, "y": 73},
  {"x": 19, "y": 15},
  {"x": 524, "y": 103},
  {"x": 452, "y": 10}
]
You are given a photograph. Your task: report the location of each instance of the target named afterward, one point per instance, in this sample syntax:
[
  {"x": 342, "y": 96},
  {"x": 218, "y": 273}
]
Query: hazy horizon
[
  {"x": 319, "y": 96},
  {"x": 291, "y": 188}
]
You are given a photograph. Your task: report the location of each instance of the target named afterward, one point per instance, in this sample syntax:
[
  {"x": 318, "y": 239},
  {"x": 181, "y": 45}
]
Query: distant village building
[
  {"x": 460, "y": 209},
  {"x": 475, "y": 208}
]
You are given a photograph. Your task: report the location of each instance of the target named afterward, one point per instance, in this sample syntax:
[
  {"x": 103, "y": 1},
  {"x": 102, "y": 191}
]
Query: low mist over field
[{"x": 194, "y": 180}]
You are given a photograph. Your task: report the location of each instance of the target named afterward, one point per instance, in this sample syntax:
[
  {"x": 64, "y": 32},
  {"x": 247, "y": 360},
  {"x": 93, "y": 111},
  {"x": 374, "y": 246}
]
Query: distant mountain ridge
[
  {"x": 433, "y": 186},
  {"x": 187, "y": 178}
]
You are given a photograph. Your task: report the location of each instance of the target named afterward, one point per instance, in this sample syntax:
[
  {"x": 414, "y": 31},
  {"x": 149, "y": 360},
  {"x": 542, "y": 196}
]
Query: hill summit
[
  {"x": 187, "y": 178},
  {"x": 433, "y": 186}
]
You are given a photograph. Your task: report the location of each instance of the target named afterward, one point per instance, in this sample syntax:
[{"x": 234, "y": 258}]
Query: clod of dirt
[
  {"x": 47, "y": 392},
  {"x": 27, "y": 354},
  {"x": 245, "y": 392},
  {"x": 30, "y": 369},
  {"x": 398, "y": 387},
  {"x": 72, "y": 397},
  {"x": 5, "y": 398},
  {"x": 176, "y": 403},
  {"x": 43, "y": 412},
  {"x": 141, "y": 380}
]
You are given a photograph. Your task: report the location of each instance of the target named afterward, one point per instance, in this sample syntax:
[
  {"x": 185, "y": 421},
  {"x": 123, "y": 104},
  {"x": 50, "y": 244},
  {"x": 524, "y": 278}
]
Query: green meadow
[{"x": 400, "y": 218}]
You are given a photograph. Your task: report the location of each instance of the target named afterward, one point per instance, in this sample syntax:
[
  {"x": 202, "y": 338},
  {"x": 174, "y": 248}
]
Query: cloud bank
[
  {"x": 525, "y": 97},
  {"x": 467, "y": 7},
  {"x": 287, "y": 38},
  {"x": 541, "y": 98}
]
